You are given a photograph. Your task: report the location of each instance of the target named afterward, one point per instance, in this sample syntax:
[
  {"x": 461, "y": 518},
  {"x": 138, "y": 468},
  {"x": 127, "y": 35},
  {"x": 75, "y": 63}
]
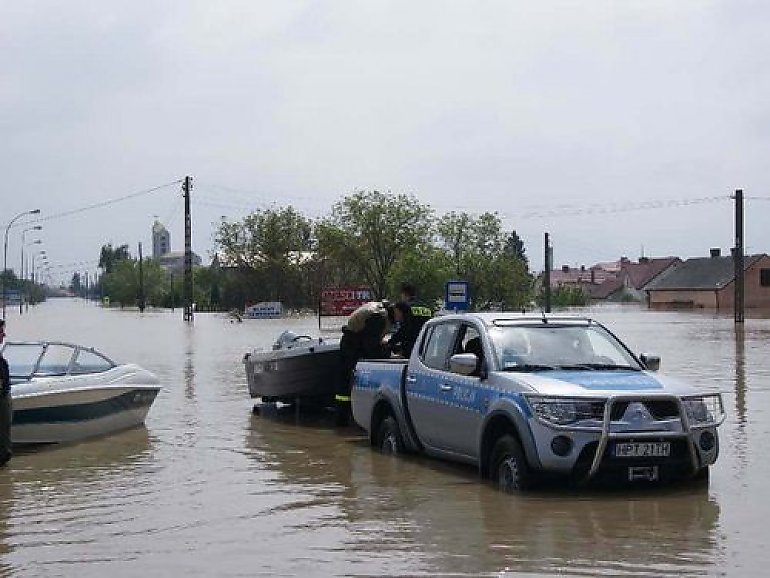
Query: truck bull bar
[{"x": 687, "y": 428}]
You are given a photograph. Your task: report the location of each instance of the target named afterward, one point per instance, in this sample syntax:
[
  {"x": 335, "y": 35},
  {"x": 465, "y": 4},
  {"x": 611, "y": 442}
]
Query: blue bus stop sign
[{"x": 456, "y": 296}]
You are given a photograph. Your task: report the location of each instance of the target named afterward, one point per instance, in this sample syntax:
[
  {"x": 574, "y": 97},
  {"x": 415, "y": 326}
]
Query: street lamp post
[
  {"x": 21, "y": 266},
  {"x": 34, "y": 262},
  {"x": 5, "y": 249}
]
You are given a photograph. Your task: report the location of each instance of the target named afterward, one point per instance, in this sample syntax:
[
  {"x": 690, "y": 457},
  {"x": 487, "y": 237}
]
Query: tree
[
  {"x": 110, "y": 256},
  {"x": 76, "y": 283},
  {"x": 514, "y": 246},
  {"x": 480, "y": 254},
  {"x": 372, "y": 230},
  {"x": 269, "y": 247},
  {"x": 454, "y": 233},
  {"x": 428, "y": 270},
  {"x": 121, "y": 285}
]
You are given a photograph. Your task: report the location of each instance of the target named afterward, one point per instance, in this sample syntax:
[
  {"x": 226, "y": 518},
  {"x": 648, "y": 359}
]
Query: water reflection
[
  {"x": 461, "y": 525},
  {"x": 741, "y": 411},
  {"x": 65, "y": 497},
  {"x": 6, "y": 502},
  {"x": 189, "y": 364}
]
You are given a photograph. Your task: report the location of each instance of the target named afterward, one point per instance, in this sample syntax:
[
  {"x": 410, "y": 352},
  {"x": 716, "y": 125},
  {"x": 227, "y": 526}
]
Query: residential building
[
  {"x": 709, "y": 282},
  {"x": 174, "y": 261},
  {"x": 630, "y": 281}
]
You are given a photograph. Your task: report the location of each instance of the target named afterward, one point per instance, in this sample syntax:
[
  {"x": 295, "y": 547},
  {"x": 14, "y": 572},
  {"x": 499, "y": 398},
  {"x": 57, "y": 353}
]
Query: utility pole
[
  {"x": 188, "y": 279},
  {"x": 547, "y": 274},
  {"x": 738, "y": 258},
  {"x": 141, "y": 281},
  {"x": 173, "y": 297}
]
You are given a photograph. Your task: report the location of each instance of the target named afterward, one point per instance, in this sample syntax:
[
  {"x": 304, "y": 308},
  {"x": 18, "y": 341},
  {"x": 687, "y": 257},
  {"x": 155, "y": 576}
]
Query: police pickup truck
[{"x": 519, "y": 396}]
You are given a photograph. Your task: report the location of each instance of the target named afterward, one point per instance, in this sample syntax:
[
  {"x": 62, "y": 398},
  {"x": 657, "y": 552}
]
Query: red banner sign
[{"x": 341, "y": 301}]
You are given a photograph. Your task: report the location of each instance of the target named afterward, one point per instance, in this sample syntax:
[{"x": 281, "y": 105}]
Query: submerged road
[{"x": 209, "y": 489}]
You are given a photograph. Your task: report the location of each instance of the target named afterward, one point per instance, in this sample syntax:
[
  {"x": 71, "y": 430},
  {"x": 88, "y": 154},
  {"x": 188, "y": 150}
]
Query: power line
[
  {"x": 103, "y": 203},
  {"x": 630, "y": 206}
]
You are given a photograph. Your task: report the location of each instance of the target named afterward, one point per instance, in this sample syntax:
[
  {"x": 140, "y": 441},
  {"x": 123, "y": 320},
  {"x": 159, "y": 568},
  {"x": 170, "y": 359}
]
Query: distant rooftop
[{"x": 700, "y": 273}]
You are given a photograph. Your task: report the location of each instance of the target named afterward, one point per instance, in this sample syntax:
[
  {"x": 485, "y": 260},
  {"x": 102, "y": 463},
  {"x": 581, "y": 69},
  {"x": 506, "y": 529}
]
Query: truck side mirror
[
  {"x": 463, "y": 363},
  {"x": 651, "y": 362}
]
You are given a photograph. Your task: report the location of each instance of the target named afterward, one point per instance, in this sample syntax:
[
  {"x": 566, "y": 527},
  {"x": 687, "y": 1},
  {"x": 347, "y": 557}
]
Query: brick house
[
  {"x": 632, "y": 278},
  {"x": 708, "y": 282}
]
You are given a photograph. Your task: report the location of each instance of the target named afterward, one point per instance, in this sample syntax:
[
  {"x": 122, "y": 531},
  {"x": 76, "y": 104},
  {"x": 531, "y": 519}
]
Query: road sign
[{"x": 457, "y": 296}]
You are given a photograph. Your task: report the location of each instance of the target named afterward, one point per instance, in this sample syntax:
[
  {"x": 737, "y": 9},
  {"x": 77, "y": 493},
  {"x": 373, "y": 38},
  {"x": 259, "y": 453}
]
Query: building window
[{"x": 764, "y": 277}]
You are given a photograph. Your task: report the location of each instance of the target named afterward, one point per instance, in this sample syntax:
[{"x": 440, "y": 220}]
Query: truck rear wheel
[
  {"x": 508, "y": 467},
  {"x": 389, "y": 440}
]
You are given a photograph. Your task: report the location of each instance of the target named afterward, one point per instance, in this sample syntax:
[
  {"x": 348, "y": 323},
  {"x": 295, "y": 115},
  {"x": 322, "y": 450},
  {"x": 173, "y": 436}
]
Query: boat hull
[
  {"x": 70, "y": 408},
  {"x": 288, "y": 375},
  {"x": 71, "y": 415}
]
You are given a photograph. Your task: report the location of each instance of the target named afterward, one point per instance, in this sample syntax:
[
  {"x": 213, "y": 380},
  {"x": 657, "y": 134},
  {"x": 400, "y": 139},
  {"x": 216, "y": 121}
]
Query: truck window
[
  {"x": 440, "y": 343},
  {"x": 470, "y": 342}
]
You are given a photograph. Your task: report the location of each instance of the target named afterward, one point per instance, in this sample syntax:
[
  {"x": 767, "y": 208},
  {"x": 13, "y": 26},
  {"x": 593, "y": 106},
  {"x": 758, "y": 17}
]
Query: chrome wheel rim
[{"x": 508, "y": 474}]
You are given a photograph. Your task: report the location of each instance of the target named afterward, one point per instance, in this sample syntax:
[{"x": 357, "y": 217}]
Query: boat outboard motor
[{"x": 289, "y": 339}]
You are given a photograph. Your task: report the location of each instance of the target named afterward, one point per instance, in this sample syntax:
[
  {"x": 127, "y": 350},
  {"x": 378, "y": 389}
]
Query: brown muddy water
[{"x": 209, "y": 489}]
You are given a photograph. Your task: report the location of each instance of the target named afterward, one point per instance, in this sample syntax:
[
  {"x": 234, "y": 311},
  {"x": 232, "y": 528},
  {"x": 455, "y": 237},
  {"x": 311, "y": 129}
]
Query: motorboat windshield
[
  {"x": 46, "y": 359},
  {"x": 544, "y": 346}
]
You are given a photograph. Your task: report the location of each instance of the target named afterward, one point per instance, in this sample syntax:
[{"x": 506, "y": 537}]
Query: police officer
[
  {"x": 6, "y": 412},
  {"x": 361, "y": 339},
  {"x": 411, "y": 315}
]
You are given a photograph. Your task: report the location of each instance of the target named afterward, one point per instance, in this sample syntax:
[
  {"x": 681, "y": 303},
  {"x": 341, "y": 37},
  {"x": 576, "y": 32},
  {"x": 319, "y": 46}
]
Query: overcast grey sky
[{"x": 520, "y": 107}]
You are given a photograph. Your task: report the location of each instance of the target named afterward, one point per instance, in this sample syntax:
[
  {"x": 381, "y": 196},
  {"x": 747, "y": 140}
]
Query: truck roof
[{"x": 516, "y": 318}]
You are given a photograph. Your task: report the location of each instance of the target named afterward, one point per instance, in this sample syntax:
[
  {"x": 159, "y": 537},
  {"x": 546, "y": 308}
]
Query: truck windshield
[{"x": 551, "y": 346}]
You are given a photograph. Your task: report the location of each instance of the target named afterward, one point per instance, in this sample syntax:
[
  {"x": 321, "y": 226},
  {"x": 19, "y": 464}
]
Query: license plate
[{"x": 643, "y": 450}]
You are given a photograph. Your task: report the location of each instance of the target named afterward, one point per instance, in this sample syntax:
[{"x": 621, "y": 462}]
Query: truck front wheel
[
  {"x": 508, "y": 467},
  {"x": 389, "y": 440}
]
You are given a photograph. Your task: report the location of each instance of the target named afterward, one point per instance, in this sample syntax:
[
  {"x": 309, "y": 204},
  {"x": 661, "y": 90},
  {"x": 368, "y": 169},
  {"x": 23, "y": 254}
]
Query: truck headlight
[
  {"x": 564, "y": 412},
  {"x": 704, "y": 410}
]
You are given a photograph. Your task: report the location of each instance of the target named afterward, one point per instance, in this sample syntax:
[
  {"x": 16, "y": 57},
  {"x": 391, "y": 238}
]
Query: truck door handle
[
  {"x": 445, "y": 387},
  {"x": 411, "y": 379}
]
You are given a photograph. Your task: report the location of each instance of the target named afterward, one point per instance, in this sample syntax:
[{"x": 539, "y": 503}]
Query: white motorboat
[
  {"x": 298, "y": 367},
  {"x": 63, "y": 392}
]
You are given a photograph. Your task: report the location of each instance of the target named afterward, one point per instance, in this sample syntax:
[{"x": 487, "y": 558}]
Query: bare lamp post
[
  {"x": 21, "y": 267},
  {"x": 5, "y": 249},
  {"x": 34, "y": 262}
]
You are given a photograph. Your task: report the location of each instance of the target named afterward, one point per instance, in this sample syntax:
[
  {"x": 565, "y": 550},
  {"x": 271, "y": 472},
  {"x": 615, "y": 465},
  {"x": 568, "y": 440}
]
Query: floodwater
[{"x": 209, "y": 489}]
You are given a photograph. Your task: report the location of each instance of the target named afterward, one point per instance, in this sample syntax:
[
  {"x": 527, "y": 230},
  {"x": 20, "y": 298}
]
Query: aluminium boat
[
  {"x": 298, "y": 367},
  {"x": 63, "y": 392}
]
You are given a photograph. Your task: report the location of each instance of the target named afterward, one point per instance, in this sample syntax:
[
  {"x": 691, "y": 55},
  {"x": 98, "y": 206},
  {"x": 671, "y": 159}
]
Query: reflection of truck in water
[
  {"x": 407, "y": 517},
  {"x": 520, "y": 395}
]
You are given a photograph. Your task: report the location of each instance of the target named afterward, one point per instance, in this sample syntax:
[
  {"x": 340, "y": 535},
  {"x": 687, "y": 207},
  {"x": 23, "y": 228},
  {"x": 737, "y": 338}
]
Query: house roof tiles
[{"x": 700, "y": 273}]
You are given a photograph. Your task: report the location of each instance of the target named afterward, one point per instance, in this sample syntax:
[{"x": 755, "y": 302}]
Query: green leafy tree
[
  {"x": 372, "y": 230},
  {"x": 514, "y": 246},
  {"x": 268, "y": 248},
  {"x": 427, "y": 269},
  {"x": 76, "y": 284},
  {"x": 121, "y": 285},
  {"x": 481, "y": 254},
  {"x": 455, "y": 232},
  {"x": 109, "y": 256}
]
